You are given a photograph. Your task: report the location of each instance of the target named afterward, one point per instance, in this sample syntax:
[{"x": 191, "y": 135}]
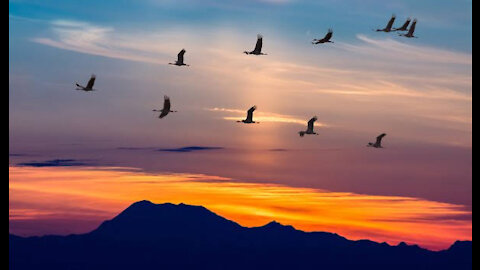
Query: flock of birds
[{"x": 258, "y": 51}]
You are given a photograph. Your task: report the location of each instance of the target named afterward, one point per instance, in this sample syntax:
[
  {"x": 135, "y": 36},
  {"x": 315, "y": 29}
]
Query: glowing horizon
[{"x": 99, "y": 193}]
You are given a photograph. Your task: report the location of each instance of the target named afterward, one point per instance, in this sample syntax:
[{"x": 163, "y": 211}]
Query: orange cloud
[{"x": 87, "y": 193}]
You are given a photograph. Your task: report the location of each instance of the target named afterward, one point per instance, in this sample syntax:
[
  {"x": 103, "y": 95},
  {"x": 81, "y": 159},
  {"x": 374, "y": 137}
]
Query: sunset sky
[{"x": 78, "y": 158}]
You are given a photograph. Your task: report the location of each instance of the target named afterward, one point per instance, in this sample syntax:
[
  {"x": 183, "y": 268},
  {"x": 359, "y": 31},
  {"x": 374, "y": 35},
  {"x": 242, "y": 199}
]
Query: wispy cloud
[
  {"x": 389, "y": 48},
  {"x": 92, "y": 39},
  {"x": 189, "y": 149},
  {"x": 55, "y": 163}
]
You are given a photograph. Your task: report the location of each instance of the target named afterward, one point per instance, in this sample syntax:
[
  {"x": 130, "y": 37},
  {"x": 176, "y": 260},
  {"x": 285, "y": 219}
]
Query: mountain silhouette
[{"x": 169, "y": 236}]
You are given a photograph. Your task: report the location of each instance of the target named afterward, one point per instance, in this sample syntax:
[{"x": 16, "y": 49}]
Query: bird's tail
[{"x": 301, "y": 133}]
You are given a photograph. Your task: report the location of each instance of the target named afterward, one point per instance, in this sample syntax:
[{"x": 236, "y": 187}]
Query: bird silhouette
[
  {"x": 309, "y": 127},
  {"x": 325, "y": 39},
  {"x": 249, "y": 119},
  {"x": 388, "y": 28},
  {"x": 411, "y": 30},
  {"x": 89, "y": 86},
  {"x": 378, "y": 142},
  {"x": 166, "y": 108},
  {"x": 258, "y": 47},
  {"x": 404, "y": 26},
  {"x": 179, "y": 61}
]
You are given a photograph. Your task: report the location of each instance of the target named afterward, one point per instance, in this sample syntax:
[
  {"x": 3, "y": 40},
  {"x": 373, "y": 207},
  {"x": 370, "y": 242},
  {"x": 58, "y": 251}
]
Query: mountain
[{"x": 168, "y": 236}]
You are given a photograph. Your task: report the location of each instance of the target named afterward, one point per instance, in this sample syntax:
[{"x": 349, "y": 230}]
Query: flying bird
[
  {"x": 378, "y": 143},
  {"x": 411, "y": 30},
  {"x": 388, "y": 28},
  {"x": 89, "y": 86},
  {"x": 179, "y": 61},
  {"x": 404, "y": 26},
  {"x": 309, "y": 127},
  {"x": 166, "y": 108},
  {"x": 258, "y": 47},
  {"x": 249, "y": 119},
  {"x": 325, "y": 39}
]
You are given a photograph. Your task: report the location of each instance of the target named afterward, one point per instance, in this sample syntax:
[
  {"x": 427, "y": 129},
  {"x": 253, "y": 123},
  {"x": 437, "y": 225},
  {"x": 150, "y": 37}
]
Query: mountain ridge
[{"x": 147, "y": 235}]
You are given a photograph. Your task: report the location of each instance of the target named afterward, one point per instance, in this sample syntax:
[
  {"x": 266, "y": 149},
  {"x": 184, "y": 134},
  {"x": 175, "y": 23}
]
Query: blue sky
[{"x": 443, "y": 23}]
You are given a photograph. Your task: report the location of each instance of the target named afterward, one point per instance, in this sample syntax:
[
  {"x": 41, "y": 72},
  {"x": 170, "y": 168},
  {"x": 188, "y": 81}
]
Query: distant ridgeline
[{"x": 168, "y": 236}]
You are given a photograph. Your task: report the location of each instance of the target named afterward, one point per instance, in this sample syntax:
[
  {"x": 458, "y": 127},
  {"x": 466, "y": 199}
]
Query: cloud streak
[
  {"x": 392, "y": 49},
  {"x": 189, "y": 149},
  {"x": 55, "y": 163}
]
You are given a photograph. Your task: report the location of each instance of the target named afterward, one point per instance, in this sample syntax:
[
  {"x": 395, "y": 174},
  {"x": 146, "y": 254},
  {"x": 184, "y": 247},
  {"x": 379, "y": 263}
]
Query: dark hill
[{"x": 168, "y": 236}]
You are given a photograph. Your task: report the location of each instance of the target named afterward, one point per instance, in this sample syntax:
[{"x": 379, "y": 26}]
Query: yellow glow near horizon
[{"x": 101, "y": 192}]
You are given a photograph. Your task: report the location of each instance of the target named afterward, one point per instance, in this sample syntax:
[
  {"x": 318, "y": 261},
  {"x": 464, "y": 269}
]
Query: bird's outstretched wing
[
  {"x": 163, "y": 113},
  {"x": 379, "y": 138},
  {"x": 91, "y": 82},
  {"x": 412, "y": 27},
  {"x": 250, "y": 113},
  {"x": 405, "y": 25},
  {"x": 166, "y": 107},
  {"x": 310, "y": 123},
  {"x": 328, "y": 36},
  {"x": 258, "y": 46},
  {"x": 180, "y": 55},
  {"x": 390, "y": 23},
  {"x": 166, "y": 103}
]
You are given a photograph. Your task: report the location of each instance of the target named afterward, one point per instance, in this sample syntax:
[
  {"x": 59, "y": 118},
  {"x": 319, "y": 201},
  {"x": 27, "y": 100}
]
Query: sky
[{"x": 68, "y": 146}]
